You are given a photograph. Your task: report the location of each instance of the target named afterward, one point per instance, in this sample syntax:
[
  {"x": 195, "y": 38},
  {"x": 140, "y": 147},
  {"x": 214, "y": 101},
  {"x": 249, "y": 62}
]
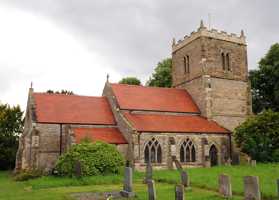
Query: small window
[
  {"x": 153, "y": 152},
  {"x": 186, "y": 60},
  {"x": 228, "y": 62},
  {"x": 188, "y": 64},
  {"x": 185, "y": 65}
]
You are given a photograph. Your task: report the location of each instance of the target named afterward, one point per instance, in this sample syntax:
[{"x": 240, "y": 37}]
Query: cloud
[{"x": 129, "y": 37}]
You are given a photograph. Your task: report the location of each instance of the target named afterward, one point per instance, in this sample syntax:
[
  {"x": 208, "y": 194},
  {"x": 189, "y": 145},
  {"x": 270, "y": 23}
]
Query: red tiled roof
[
  {"x": 73, "y": 109},
  {"x": 108, "y": 135},
  {"x": 173, "y": 123},
  {"x": 153, "y": 98}
]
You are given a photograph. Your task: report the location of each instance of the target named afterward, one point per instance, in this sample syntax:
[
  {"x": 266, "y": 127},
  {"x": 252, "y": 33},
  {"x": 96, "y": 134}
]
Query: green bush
[
  {"x": 258, "y": 136},
  {"x": 95, "y": 158},
  {"x": 27, "y": 175}
]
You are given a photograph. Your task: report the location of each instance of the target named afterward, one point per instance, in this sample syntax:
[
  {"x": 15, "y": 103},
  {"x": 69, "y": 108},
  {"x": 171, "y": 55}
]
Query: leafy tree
[
  {"x": 67, "y": 92},
  {"x": 130, "y": 81},
  {"x": 162, "y": 75},
  {"x": 265, "y": 81},
  {"x": 95, "y": 159},
  {"x": 258, "y": 136},
  {"x": 11, "y": 125}
]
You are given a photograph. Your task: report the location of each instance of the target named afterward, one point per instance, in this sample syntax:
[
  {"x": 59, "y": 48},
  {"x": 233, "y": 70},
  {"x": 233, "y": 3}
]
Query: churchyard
[{"x": 204, "y": 184}]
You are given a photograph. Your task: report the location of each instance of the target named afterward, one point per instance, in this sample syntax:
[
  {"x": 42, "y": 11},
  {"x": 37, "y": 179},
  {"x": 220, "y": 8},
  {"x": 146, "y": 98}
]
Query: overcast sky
[{"x": 73, "y": 44}]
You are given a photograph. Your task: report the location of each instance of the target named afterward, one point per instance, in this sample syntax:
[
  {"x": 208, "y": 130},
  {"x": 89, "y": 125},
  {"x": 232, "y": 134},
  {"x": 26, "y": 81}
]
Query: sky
[{"x": 74, "y": 44}]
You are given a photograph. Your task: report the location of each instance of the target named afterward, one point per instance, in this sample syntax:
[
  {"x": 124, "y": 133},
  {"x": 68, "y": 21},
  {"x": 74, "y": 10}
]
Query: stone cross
[
  {"x": 253, "y": 163},
  {"x": 185, "y": 180},
  {"x": 252, "y": 188},
  {"x": 179, "y": 192},
  {"x": 225, "y": 187},
  {"x": 78, "y": 171},
  {"x": 128, "y": 183},
  {"x": 148, "y": 172},
  {"x": 151, "y": 190}
]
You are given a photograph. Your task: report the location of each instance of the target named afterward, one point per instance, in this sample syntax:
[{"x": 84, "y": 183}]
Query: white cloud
[{"x": 34, "y": 49}]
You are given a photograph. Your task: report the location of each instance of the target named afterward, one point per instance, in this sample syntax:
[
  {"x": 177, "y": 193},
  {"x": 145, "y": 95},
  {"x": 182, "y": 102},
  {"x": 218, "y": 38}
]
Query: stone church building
[{"x": 192, "y": 121}]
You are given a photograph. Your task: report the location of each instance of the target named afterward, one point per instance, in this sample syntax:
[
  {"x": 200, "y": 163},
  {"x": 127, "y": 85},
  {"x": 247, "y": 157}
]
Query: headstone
[
  {"x": 225, "y": 187},
  {"x": 179, "y": 192},
  {"x": 253, "y": 163},
  {"x": 78, "y": 171},
  {"x": 252, "y": 188},
  {"x": 278, "y": 187},
  {"x": 151, "y": 190},
  {"x": 235, "y": 159},
  {"x": 185, "y": 180},
  {"x": 177, "y": 165},
  {"x": 148, "y": 172},
  {"x": 128, "y": 183}
]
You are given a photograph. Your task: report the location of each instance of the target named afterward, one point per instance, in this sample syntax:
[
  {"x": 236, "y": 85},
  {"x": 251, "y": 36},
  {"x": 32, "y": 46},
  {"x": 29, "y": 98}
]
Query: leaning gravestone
[
  {"x": 148, "y": 172},
  {"x": 128, "y": 183},
  {"x": 179, "y": 192},
  {"x": 177, "y": 164},
  {"x": 253, "y": 163},
  {"x": 151, "y": 190},
  {"x": 78, "y": 171},
  {"x": 225, "y": 187},
  {"x": 252, "y": 188},
  {"x": 185, "y": 180}
]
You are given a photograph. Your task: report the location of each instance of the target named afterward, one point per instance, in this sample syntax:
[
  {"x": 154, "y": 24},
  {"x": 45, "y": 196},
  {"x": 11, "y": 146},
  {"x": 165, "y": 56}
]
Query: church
[{"x": 192, "y": 122}]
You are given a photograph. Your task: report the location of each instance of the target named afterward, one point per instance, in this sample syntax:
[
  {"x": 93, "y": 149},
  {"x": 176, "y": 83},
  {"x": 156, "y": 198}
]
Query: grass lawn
[{"x": 203, "y": 181}]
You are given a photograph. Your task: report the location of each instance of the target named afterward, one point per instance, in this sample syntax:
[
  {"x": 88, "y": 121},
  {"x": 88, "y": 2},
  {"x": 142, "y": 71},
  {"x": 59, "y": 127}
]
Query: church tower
[{"x": 212, "y": 66}]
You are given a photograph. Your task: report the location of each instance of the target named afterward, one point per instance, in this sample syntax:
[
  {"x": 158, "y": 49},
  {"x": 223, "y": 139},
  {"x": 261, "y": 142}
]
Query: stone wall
[{"x": 221, "y": 141}]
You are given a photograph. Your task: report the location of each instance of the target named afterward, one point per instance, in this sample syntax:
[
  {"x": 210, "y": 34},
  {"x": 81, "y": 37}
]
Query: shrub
[
  {"x": 95, "y": 158},
  {"x": 258, "y": 136},
  {"x": 27, "y": 174}
]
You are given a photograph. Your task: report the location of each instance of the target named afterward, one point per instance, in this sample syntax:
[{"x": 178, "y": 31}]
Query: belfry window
[
  {"x": 187, "y": 152},
  {"x": 223, "y": 61},
  {"x": 228, "y": 62},
  {"x": 153, "y": 152},
  {"x": 186, "y": 60}
]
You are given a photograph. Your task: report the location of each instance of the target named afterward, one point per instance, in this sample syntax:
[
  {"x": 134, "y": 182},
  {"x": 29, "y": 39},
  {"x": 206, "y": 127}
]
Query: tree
[
  {"x": 265, "y": 82},
  {"x": 130, "y": 81},
  {"x": 258, "y": 136},
  {"x": 162, "y": 75},
  {"x": 66, "y": 92},
  {"x": 11, "y": 125}
]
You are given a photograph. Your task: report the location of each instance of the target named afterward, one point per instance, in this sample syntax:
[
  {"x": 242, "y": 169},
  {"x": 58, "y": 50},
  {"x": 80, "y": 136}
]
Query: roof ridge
[
  {"x": 166, "y": 88},
  {"x": 76, "y": 95}
]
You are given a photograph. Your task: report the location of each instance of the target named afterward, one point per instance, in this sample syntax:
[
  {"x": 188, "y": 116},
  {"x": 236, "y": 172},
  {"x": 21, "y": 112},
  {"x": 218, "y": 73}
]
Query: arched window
[
  {"x": 228, "y": 62},
  {"x": 153, "y": 152},
  {"x": 187, "y": 152},
  {"x": 223, "y": 61}
]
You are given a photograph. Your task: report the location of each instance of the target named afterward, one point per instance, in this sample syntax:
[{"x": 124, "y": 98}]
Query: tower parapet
[{"x": 202, "y": 31}]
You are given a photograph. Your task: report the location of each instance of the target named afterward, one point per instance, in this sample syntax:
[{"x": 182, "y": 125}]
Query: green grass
[{"x": 204, "y": 183}]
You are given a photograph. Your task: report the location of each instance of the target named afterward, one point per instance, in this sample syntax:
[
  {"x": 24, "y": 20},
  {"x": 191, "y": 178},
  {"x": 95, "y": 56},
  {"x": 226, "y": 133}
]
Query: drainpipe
[
  {"x": 230, "y": 141},
  {"x": 60, "y": 142}
]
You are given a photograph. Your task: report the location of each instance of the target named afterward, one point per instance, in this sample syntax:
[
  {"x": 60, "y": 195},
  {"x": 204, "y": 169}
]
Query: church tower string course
[{"x": 212, "y": 67}]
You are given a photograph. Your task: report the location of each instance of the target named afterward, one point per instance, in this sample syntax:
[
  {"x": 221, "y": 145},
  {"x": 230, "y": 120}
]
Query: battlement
[{"x": 212, "y": 33}]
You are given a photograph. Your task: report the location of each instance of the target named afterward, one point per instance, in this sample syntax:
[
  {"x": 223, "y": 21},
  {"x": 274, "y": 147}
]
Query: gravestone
[
  {"x": 278, "y": 187},
  {"x": 151, "y": 190},
  {"x": 253, "y": 163},
  {"x": 177, "y": 165},
  {"x": 225, "y": 187},
  {"x": 252, "y": 188},
  {"x": 128, "y": 183},
  {"x": 78, "y": 171},
  {"x": 235, "y": 159},
  {"x": 185, "y": 180},
  {"x": 179, "y": 192},
  {"x": 148, "y": 172}
]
